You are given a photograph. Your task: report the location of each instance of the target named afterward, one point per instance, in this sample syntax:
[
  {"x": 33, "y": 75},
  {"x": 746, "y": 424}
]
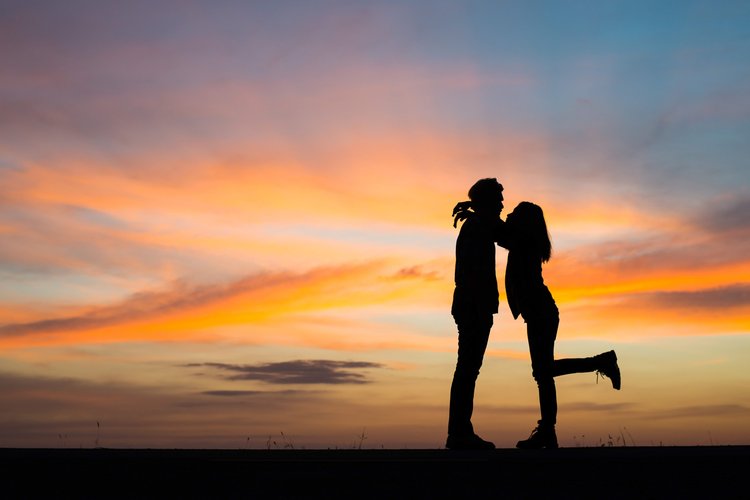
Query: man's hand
[{"x": 461, "y": 212}]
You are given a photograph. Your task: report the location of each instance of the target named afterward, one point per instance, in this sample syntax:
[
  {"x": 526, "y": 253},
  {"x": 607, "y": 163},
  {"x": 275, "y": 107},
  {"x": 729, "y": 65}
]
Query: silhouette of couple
[{"x": 475, "y": 301}]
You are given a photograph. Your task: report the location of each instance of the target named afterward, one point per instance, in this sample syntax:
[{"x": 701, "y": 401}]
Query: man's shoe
[
  {"x": 470, "y": 442},
  {"x": 542, "y": 437},
  {"x": 608, "y": 368}
]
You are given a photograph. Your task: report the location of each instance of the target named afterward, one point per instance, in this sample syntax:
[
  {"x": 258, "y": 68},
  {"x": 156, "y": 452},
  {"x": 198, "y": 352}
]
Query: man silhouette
[{"x": 475, "y": 301}]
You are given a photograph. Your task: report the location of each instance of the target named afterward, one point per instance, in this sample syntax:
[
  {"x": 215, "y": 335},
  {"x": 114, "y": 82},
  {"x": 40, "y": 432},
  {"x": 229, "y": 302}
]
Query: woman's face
[
  {"x": 517, "y": 216},
  {"x": 512, "y": 216}
]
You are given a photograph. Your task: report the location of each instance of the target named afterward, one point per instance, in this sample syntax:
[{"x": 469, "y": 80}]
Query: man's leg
[{"x": 473, "y": 334}]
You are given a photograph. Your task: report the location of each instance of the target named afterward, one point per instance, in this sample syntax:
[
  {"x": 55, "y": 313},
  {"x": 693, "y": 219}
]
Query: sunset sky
[{"x": 224, "y": 221}]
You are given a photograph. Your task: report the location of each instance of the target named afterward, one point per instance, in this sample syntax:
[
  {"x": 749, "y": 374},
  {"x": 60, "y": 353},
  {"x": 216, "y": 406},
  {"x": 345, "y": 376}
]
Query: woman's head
[{"x": 529, "y": 218}]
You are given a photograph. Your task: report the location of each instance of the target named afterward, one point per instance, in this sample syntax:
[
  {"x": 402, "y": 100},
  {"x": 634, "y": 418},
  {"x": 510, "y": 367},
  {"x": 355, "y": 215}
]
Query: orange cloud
[
  {"x": 186, "y": 311},
  {"x": 705, "y": 311}
]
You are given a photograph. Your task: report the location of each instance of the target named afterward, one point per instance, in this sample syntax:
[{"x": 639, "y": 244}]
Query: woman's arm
[
  {"x": 461, "y": 212},
  {"x": 503, "y": 236}
]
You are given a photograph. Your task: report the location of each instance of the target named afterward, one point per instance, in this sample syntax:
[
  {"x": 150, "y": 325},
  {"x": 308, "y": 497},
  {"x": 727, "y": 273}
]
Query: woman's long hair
[{"x": 529, "y": 218}]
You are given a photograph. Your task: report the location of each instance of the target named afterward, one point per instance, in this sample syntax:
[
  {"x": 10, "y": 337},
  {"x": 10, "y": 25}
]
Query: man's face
[
  {"x": 497, "y": 204},
  {"x": 491, "y": 206}
]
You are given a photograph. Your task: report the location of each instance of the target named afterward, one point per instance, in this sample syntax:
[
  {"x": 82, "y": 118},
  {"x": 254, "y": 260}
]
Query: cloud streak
[
  {"x": 717, "y": 299},
  {"x": 252, "y": 299},
  {"x": 243, "y": 394},
  {"x": 317, "y": 371},
  {"x": 704, "y": 411},
  {"x": 728, "y": 214},
  {"x": 146, "y": 305}
]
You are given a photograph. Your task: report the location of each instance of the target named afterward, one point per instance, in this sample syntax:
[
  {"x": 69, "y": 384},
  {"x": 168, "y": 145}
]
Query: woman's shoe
[
  {"x": 608, "y": 367},
  {"x": 542, "y": 437}
]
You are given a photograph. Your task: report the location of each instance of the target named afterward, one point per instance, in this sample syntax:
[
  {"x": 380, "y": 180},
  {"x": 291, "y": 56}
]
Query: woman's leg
[{"x": 541, "y": 334}]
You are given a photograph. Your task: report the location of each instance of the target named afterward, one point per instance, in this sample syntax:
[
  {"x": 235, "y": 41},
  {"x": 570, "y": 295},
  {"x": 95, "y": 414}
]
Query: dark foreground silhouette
[{"x": 626, "y": 472}]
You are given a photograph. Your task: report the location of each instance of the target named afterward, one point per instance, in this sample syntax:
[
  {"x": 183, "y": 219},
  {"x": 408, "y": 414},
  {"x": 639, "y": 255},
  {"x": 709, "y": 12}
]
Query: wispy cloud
[
  {"x": 728, "y": 214},
  {"x": 234, "y": 394},
  {"x": 260, "y": 296},
  {"x": 653, "y": 313},
  {"x": 417, "y": 272},
  {"x": 144, "y": 305},
  {"x": 703, "y": 411},
  {"x": 319, "y": 371},
  {"x": 705, "y": 249},
  {"x": 716, "y": 299},
  {"x": 585, "y": 406}
]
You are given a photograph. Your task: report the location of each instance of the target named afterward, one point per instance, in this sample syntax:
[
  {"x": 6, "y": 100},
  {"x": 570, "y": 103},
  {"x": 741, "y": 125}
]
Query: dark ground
[{"x": 619, "y": 472}]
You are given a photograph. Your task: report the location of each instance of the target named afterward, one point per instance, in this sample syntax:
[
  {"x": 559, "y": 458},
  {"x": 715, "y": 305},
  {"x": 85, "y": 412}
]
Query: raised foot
[{"x": 609, "y": 368}]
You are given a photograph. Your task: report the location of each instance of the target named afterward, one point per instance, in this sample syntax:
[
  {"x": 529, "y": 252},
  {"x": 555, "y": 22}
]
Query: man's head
[{"x": 486, "y": 197}]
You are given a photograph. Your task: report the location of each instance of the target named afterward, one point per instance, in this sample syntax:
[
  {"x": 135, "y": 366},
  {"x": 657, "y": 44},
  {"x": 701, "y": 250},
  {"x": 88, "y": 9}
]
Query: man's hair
[{"x": 485, "y": 189}]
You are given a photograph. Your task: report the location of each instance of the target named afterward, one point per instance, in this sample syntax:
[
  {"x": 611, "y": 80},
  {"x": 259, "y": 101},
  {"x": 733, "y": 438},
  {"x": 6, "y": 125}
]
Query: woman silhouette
[{"x": 528, "y": 244}]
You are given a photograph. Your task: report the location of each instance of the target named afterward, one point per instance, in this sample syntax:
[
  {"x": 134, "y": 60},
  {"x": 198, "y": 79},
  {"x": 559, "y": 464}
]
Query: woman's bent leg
[
  {"x": 573, "y": 365},
  {"x": 605, "y": 364}
]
